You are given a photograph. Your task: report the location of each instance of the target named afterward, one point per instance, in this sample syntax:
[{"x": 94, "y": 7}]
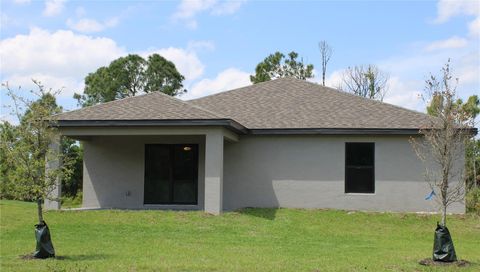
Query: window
[
  {"x": 171, "y": 172},
  {"x": 360, "y": 168}
]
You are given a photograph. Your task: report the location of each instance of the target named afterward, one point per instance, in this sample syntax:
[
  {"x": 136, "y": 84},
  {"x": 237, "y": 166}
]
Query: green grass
[
  {"x": 247, "y": 240},
  {"x": 72, "y": 202}
]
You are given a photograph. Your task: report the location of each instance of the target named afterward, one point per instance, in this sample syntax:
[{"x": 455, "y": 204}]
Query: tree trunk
[
  {"x": 474, "y": 167},
  {"x": 39, "y": 211},
  {"x": 444, "y": 216},
  {"x": 323, "y": 75}
]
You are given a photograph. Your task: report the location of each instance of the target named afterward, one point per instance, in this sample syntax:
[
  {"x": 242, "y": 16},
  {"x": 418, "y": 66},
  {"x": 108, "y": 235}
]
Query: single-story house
[{"x": 282, "y": 143}]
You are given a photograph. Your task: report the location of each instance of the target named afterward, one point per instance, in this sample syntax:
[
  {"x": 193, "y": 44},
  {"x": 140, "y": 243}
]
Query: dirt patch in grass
[
  {"x": 430, "y": 262},
  {"x": 30, "y": 257}
]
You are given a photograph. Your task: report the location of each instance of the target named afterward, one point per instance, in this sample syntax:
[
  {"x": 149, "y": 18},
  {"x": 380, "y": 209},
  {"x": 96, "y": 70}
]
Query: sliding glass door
[{"x": 171, "y": 174}]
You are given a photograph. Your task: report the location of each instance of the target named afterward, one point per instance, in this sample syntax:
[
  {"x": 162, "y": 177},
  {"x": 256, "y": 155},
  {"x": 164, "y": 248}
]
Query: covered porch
[{"x": 121, "y": 167}]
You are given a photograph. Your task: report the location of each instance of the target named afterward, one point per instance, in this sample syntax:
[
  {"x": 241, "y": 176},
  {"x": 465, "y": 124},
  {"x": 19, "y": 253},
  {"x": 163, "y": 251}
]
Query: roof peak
[{"x": 295, "y": 103}]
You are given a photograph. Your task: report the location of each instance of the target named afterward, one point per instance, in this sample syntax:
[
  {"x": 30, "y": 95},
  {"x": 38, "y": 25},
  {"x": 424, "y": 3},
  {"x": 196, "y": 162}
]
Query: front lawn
[{"x": 247, "y": 240}]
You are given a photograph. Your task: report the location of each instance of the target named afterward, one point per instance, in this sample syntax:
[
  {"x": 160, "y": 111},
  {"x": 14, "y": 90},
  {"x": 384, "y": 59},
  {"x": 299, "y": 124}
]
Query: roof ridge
[
  {"x": 239, "y": 88},
  {"x": 377, "y": 101},
  {"x": 361, "y": 97},
  {"x": 194, "y": 106},
  {"x": 317, "y": 85}
]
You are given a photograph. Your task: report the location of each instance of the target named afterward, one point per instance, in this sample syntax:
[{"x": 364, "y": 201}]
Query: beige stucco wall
[
  {"x": 309, "y": 171},
  {"x": 113, "y": 170}
]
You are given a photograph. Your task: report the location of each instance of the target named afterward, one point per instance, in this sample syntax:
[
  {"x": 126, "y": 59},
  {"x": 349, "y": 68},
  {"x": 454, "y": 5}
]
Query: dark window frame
[
  {"x": 171, "y": 165},
  {"x": 346, "y": 190}
]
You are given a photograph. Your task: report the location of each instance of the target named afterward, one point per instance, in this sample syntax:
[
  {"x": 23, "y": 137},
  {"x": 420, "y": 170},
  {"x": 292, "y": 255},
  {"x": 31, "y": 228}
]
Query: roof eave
[
  {"x": 336, "y": 131},
  {"x": 240, "y": 129},
  {"x": 343, "y": 131},
  {"x": 227, "y": 123}
]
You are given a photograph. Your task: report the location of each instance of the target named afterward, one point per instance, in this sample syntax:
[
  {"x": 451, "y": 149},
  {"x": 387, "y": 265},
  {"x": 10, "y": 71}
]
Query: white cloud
[
  {"x": 201, "y": 45},
  {"x": 228, "y": 79},
  {"x": 333, "y": 79},
  {"x": 408, "y": 73},
  {"x": 86, "y": 25},
  {"x": 405, "y": 93},
  {"x": 61, "y": 53},
  {"x": 467, "y": 69},
  {"x": 186, "y": 61},
  {"x": 474, "y": 27},
  {"x": 447, "y": 9},
  {"x": 227, "y": 7},
  {"x": 53, "y": 7},
  {"x": 59, "y": 59},
  {"x": 68, "y": 85},
  {"x": 63, "y": 58},
  {"x": 187, "y": 10},
  {"x": 451, "y": 43}
]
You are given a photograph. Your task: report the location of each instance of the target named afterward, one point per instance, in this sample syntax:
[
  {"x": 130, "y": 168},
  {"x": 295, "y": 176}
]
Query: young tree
[
  {"x": 366, "y": 81},
  {"x": 471, "y": 108},
  {"x": 8, "y": 134},
  {"x": 442, "y": 147},
  {"x": 129, "y": 76},
  {"x": 29, "y": 151},
  {"x": 277, "y": 66},
  {"x": 326, "y": 52}
]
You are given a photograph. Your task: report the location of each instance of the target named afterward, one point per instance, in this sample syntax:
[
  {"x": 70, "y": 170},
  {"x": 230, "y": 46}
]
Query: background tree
[
  {"x": 129, "y": 76},
  {"x": 442, "y": 145},
  {"x": 366, "y": 81},
  {"x": 326, "y": 52},
  {"x": 277, "y": 66},
  {"x": 72, "y": 183}
]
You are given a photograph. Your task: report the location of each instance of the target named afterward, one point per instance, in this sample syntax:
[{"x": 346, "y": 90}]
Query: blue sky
[{"x": 216, "y": 44}]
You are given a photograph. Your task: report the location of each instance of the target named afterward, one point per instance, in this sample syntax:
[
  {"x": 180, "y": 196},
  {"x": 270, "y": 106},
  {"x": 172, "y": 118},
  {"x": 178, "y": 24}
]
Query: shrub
[{"x": 473, "y": 200}]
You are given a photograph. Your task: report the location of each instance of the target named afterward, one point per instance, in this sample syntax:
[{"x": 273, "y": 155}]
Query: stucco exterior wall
[
  {"x": 309, "y": 172},
  {"x": 264, "y": 171},
  {"x": 113, "y": 170}
]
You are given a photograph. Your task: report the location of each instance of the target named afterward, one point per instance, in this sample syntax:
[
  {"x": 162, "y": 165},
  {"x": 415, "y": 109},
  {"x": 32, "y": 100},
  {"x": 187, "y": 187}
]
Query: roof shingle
[
  {"x": 152, "y": 106},
  {"x": 285, "y": 103},
  {"x": 289, "y": 103}
]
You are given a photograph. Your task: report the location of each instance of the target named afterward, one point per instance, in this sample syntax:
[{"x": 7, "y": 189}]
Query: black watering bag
[
  {"x": 443, "y": 249},
  {"x": 44, "y": 243}
]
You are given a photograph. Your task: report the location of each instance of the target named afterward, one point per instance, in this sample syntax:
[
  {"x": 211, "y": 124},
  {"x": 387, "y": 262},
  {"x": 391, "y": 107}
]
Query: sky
[{"x": 217, "y": 44}]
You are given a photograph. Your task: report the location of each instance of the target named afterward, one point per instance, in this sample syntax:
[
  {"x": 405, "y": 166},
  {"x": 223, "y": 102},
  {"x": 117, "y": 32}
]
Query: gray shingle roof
[
  {"x": 152, "y": 106},
  {"x": 293, "y": 103},
  {"x": 285, "y": 103}
]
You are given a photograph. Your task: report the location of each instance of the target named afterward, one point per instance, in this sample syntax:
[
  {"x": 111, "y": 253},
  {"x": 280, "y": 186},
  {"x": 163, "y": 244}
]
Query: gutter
[
  {"x": 227, "y": 123},
  {"x": 240, "y": 129}
]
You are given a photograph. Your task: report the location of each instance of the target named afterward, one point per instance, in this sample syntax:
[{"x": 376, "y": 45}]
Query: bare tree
[
  {"x": 442, "y": 147},
  {"x": 326, "y": 52},
  {"x": 366, "y": 81}
]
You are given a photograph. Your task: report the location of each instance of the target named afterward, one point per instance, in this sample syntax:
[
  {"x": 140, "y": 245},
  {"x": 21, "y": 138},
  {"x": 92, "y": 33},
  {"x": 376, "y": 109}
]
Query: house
[{"x": 282, "y": 143}]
